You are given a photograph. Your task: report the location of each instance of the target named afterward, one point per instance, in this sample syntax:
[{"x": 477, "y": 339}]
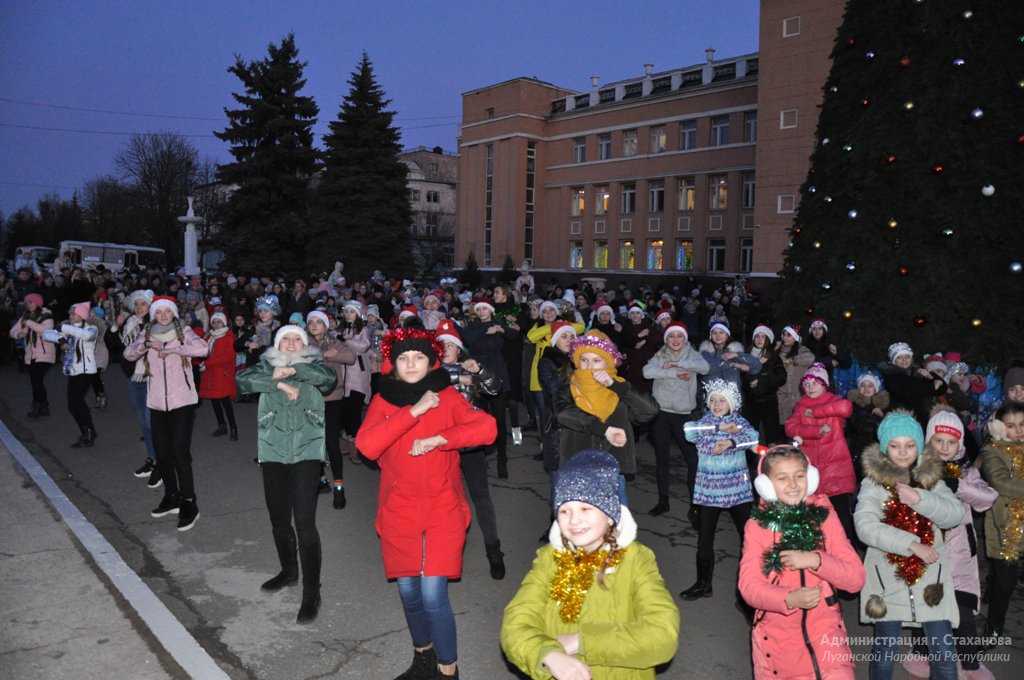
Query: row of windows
[
  {"x": 686, "y": 195},
  {"x": 432, "y": 196},
  {"x": 656, "y": 253},
  {"x": 659, "y": 138}
]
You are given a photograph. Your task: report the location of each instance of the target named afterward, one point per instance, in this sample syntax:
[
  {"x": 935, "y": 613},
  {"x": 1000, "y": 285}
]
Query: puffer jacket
[
  {"x": 962, "y": 540},
  {"x": 900, "y": 601},
  {"x": 828, "y": 451},
  {"x": 783, "y": 639},
  {"x": 487, "y": 348},
  {"x": 36, "y": 349},
  {"x": 862, "y": 425},
  {"x": 626, "y": 628},
  {"x": 1002, "y": 466},
  {"x": 357, "y": 376},
  {"x": 672, "y": 393},
  {"x": 80, "y": 353},
  {"x": 171, "y": 382},
  {"x": 789, "y": 392},
  {"x": 217, "y": 379},
  {"x": 290, "y": 431},
  {"x": 483, "y": 382}
]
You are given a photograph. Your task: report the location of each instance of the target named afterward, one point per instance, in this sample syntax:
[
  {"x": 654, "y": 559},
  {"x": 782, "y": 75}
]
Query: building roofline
[{"x": 528, "y": 79}]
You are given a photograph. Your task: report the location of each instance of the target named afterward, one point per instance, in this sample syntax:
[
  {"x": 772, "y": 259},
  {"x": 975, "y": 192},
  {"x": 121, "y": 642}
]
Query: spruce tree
[
  {"x": 266, "y": 222},
  {"x": 363, "y": 213},
  {"x": 909, "y": 226}
]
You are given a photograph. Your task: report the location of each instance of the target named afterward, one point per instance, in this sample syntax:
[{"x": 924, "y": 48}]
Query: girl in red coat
[
  {"x": 414, "y": 429},
  {"x": 217, "y": 377},
  {"x": 795, "y": 556},
  {"x": 816, "y": 426}
]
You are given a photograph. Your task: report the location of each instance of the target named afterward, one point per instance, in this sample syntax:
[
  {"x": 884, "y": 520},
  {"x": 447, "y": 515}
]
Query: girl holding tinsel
[
  {"x": 902, "y": 511},
  {"x": 1002, "y": 466},
  {"x": 796, "y": 556},
  {"x": 594, "y": 604}
]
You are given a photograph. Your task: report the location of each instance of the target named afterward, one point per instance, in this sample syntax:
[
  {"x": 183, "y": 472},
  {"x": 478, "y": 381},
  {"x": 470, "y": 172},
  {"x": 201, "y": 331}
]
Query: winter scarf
[
  {"x": 591, "y": 396},
  {"x": 400, "y": 393}
]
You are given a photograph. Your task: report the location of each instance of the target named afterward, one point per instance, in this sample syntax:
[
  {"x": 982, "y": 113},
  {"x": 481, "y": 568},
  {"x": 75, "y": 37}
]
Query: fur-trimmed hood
[
  {"x": 709, "y": 347},
  {"x": 625, "y": 531},
  {"x": 279, "y": 359},
  {"x": 925, "y": 474},
  {"x": 877, "y": 400}
]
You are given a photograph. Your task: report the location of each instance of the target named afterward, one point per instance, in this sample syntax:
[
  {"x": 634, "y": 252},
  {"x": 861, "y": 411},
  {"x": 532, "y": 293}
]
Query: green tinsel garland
[{"x": 800, "y": 526}]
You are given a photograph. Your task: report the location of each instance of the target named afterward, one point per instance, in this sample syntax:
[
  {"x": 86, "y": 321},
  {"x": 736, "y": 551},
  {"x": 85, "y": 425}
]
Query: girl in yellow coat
[{"x": 594, "y": 604}]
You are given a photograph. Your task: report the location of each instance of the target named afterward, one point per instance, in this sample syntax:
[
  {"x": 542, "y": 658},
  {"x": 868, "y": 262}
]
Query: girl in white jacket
[{"x": 78, "y": 339}]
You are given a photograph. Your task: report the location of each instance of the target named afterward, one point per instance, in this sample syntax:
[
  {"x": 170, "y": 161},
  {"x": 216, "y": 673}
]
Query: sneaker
[
  {"x": 517, "y": 436},
  {"x": 146, "y": 470},
  {"x": 168, "y": 506},
  {"x": 155, "y": 480},
  {"x": 188, "y": 515},
  {"x": 101, "y": 401}
]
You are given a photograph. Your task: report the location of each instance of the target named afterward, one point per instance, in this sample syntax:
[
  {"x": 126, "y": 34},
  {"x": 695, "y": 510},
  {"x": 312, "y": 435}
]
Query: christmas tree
[{"x": 910, "y": 221}]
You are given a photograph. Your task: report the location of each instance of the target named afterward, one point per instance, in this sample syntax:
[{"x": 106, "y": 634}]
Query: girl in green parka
[
  {"x": 292, "y": 379},
  {"x": 594, "y": 604}
]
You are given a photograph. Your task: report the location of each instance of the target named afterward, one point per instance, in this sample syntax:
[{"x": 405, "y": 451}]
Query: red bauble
[
  {"x": 920, "y": 321},
  {"x": 904, "y": 271},
  {"x": 905, "y": 61},
  {"x": 810, "y": 311},
  {"x": 890, "y": 159},
  {"x": 937, "y": 168}
]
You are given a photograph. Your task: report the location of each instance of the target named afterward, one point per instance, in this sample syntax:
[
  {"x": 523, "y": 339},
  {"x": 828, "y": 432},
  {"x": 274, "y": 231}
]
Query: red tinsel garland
[{"x": 900, "y": 515}]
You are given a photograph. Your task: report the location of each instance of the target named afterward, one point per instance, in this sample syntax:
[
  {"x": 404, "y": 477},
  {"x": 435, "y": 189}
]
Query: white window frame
[
  {"x": 786, "y": 204},
  {"x": 687, "y": 135},
  {"x": 604, "y": 146},
  {"x": 629, "y": 143},
  {"x": 789, "y": 119},
  {"x": 659, "y": 139},
  {"x": 790, "y": 27},
  {"x": 720, "y": 130},
  {"x": 579, "y": 150}
]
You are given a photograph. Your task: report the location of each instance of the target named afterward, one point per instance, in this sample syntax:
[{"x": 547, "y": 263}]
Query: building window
[
  {"x": 786, "y": 204},
  {"x": 577, "y": 202},
  {"x": 750, "y": 126},
  {"x": 684, "y": 255},
  {"x": 788, "y": 118},
  {"x": 490, "y": 112},
  {"x": 629, "y": 143},
  {"x": 716, "y": 254},
  {"x": 432, "y": 224},
  {"x": 627, "y": 255},
  {"x": 656, "y": 255},
  {"x": 488, "y": 204},
  {"x": 790, "y": 27},
  {"x": 628, "y": 199},
  {"x": 688, "y": 135},
  {"x": 718, "y": 192},
  {"x": 432, "y": 167},
  {"x": 719, "y": 130},
  {"x": 531, "y": 164},
  {"x": 748, "y": 190},
  {"x": 414, "y": 195},
  {"x": 579, "y": 150},
  {"x": 687, "y": 194},
  {"x": 601, "y": 200},
  {"x": 656, "y": 195},
  {"x": 600, "y": 254},
  {"x": 746, "y": 254},
  {"x": 576, "y": 255},
  {"x": 604, "y": 146},
  {"x": 433, "y": 197},
  {"x": 659, "y": 138}
]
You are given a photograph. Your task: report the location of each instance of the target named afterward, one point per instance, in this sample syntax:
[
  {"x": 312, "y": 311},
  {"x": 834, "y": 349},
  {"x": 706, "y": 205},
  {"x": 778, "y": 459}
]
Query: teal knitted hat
[{"x": 900, "y": 424}]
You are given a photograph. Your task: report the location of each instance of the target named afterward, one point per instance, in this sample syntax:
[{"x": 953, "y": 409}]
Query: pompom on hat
[
  {"x": 447, "y": 331},
  {"x": 900, "y": 423},
  {"x": 598, "y": 343},
  {"x": 590, "y": 477},
  {"x": 727, "y": 389},
  {"x": 898, "y": 349},
  {"x": 560, "y": 328},
  {"x": 816, "y": 372},
  {"x": 944, "y": 420},
  {"x": 768, "y": 332},
  {"x": 290, "y": 330},
  {"x": 163, "y": 302},
  {"x": 677, "y": 326}
]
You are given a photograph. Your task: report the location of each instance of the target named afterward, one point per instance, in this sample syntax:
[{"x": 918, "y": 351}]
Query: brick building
[{"x": 432, "y": 182}]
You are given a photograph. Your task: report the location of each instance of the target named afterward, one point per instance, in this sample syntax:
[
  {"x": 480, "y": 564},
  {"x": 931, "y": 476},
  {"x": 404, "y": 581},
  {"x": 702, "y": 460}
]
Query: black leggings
[
  {"x": 222, "y": 407},
  {"x": 709, "y": 524},
  {"x": 97, "y": 384},
  {"x": 352, "y": 413},
  {"x": 78, "y": 385},
  {"x": 763, "y": 416},
  {"x": 172, "y": 441},
  {"x": 1003, "y": 583},
  {"x": 332, "y": 437},
  {"x": 474, "y": 471},
  {"x": 290, "y": 491},
  {"x": 668, "y": 427},
  {"x": 36, "y": 373},
  {"x": 841, "y": 503},
  {"x": 496, "y": 406}
]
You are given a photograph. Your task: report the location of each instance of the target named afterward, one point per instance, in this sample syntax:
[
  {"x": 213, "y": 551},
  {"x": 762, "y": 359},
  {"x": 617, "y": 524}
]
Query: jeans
[
  {"x": 668, "y": 427},
  {"x": 290, "y": 490},
  {"x": 78, "y": 385},
  {"x": 172, "y": 439},
  {"x": 137, "y": 398},
  {"x": 941, "y": 653},
  {"x": 474, "y": 471},
  {"x": 429, "y": 615},
  {"x": 36, "y": 373}
]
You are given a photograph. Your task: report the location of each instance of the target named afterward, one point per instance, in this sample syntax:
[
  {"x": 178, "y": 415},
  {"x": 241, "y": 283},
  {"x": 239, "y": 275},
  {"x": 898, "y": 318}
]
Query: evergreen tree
[
  {"x": 363, "y": 214},
  {"x": 266, "y": 222},
  {"x": 909, "y": 227},
  {"x": 470, "y": 274},
  {"x": 509, "y": 274}
]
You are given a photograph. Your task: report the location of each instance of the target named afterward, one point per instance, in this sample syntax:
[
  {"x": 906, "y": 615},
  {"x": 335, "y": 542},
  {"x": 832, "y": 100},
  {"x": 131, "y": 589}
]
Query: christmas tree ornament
[
  {"x": 847, "y": 314},
  {"x": 847, "y": 147},
  {"x": 817, "y": 245},
  {"x": 852, "y": 214},
  {"x": 851, "y": 42},
  {"x": 988, "y": 190},
  {"x": 828, "y": 199},
  {"x": 825, "y": 140},
  {"x": 1015, "y": 267},
  {"x": 904, "y": 61},
  {"x": 870, "y": 55},
  {"x": 834, "y": 89},
  {"x": 810, "y": 311},
  {"x": 890, "y": 159},
  {"x": 826, "y": 285},
  {"x": 811, "y": 189},
  {"x": 851, "y": 266},
  {"x": 937, "y": 168},
  {"x": 976, "y": 323},
  {"x": 947, "y": 232},
  {"x": 904, "y": 271},
  {"x": 893, "y": 223},
  {"x": 908, "y": 105},
  {"x": 958, "y": 62},
  {"x": 977, "y": 114},
  {"x": 920, "y": 321},
  {"x": 967, "y": 15},
  {"x": 865, "y": 101},
  {"x": 797, "y": 268}
]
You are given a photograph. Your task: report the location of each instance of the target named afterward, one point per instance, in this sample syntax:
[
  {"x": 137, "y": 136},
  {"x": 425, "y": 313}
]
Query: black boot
[
  {"x": 233, "y": 436},
  {"x": 221, "y": 430},
  {"x": 702, "y": 588},
  {"x": 288, "y": 556},
  {"x": 34, "y": 411},
  {"x": 494, "y": 557},
  {"x": 311, "y": 558},
  {"x": 87, "y": 439},
  {"x": 44, "y": 409},
  {"x": 424, "y": 666},
  {"x": 339, "y": 502},
  {"x": 310, "y": 606},
  {"x": 661, "y": 508},
  {"x": 502, "y": 466},
  {"x": 693, "y": 514}
]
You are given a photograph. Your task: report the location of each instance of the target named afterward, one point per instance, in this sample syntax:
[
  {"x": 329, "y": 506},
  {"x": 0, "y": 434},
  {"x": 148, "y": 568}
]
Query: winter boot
[
  {"x": 101, "y": 401},
  {"x": 424, "y": 666},
  {"x": 661, "y": 508},
  {"x": 494, "y": 557},
  {"x": 339, "y": 495},
  {"x": 311, "y": 559},
  {"x": 188, "y": 513},
  {"x": 233, "y": 435},
  {"x": 702, "y": 588},
  {"x": 87, "y": 439},
  {"x": 693, "y": 514},
  {"x": 310, "y": 606},
  {"x": 34, "y": 411},
  {"x": 221, "y": 430},
  {"x": 287, "y": 555}
]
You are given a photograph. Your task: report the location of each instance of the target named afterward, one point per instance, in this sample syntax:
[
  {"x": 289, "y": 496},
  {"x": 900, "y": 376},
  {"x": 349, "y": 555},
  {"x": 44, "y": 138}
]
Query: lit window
[
  {"x": 655, "y": 255},
  {"x": 750, "y": 126},
  {"x": 716, "y": 254},
  {"x": 601, "y": 200},
  {"x": 718, "y": 192},
  {"x": 629, "y": 143},
  {"x": 746, "y": 254},
  {"x": 628, "y": 198},
  {"x": 579, "y": 150},
  {"x": 600, "y": 254},
  {"x": 577, "y": 202},
  {"x": 659, "y": 138},
  {"x": 604, "y": 146},
  {"x": 719, "y": 130},
  {"x": 576, "y": 255},
  {"x": 688, "y": 135},
  {"x": 687, "y": 194},
  {"x": 684, "y": 255},
  {"x": 627, "y": 255},
  {"x": 748, "y": 190},
  {"x": 657, "y": 196}
]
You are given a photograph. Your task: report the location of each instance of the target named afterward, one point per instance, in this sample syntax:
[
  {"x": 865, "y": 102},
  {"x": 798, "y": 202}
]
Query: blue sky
[{"x": 93, "y": 72}]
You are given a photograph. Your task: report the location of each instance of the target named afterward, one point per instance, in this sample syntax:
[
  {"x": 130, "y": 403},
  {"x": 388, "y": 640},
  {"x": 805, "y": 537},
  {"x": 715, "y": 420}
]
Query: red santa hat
[
  {"x": 447, "y": 331},
  {"x": 560, "y": 328},
  {"x": 163, "y": 302},
  {"x": 677, "y": 326}
]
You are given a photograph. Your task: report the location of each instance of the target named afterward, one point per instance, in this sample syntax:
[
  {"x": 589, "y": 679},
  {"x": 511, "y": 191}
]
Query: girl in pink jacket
[
  {"x": 795, "y": 557},
  {"x": 39, "y": 354},
  {"x": 816, "y": 426},
  {"x": 166, "y": 347}
]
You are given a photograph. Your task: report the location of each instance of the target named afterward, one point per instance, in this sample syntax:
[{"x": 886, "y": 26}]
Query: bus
[{"x": 113, "y": 256}]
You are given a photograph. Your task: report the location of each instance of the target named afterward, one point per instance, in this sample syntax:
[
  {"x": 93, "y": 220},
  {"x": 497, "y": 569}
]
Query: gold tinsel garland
[
  {"x": 953, "y": 471},
  {"x": 909, "y": 568},
  {"x": 1013, "y": 531},
  {"x": 575, "y": 577}
]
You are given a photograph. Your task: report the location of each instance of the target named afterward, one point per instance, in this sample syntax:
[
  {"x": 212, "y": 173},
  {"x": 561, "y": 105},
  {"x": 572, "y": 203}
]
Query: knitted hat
[
  {"x": 372, "y": 310},
  {"x": 219, "y": 315},
  {"x": 163, "y": 302},
  {"x": 767, "y": 331},
  {"x": 432, "y": 295},
  {"x": 945, "y": 421},
  {"x": 447, "y": 331},
  {"x": 321, "y": 316},
  {"x": 590, "y": 477},
  {"x": 721, "y": 326},
  {"x": 676, "y": 327},
  {"x": 136, "y": 295},
  {"x": 819, "y": 323},
  {"x": 215, "y": 301},
  {"x": 794, "y": 331},
  {"x": 231, "y": 279},
  {"x": 871, "y": 378},
  {"x": 269, "y": 303},
  {"x": 408, "y": 340},
  {"x": 727, "y": 389},
  {"x": 560, "y": 328},
  {"x": 290, "y": 330},
  {"x": 935, "y": 362},
  {"x": 1014, "y": 376},
  {"x": 295, "y": 319},
  {"x": 816, "y": 372},
  {"x": 899, "y": 348},
  {"x": 900, "y": 424},
  {"x": 356, "y": 305},
  {"x": 548, "y": 304},
  {"x": 34, "y": 298},
  {"x": 598, "y": 343}
]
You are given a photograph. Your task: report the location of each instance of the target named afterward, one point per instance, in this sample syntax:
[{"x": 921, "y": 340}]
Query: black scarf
[{"x": 400, "y": 393}]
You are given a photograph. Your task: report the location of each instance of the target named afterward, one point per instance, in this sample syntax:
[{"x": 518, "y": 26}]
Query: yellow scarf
[{"x": 591, "y": 396}]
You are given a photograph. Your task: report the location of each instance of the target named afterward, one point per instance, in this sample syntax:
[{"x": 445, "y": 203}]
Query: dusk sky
[{"x": 77, "y": 78}]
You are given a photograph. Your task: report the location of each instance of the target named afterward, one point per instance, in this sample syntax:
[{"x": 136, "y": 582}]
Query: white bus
[{"x": 114, "y": 256}]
